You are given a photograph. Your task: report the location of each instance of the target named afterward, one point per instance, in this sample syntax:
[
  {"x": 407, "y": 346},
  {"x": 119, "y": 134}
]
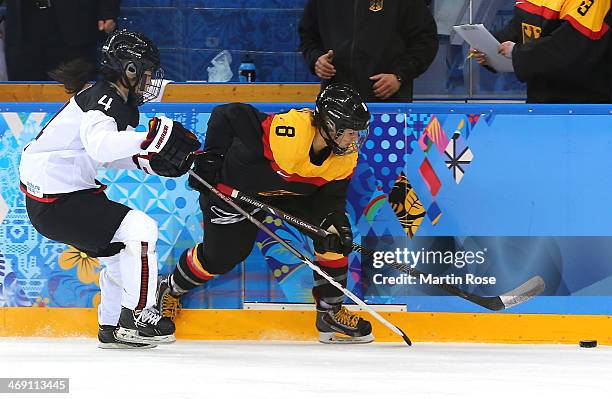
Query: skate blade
[
  {"x": 124, "y": 345},
  {"x": 133, "y": 336},
  {"x": 335, "y": 338}
]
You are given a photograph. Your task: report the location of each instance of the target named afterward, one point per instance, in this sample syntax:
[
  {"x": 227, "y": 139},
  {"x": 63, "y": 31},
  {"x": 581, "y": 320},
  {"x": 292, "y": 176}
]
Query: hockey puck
[{"x": 588, "y": 344}]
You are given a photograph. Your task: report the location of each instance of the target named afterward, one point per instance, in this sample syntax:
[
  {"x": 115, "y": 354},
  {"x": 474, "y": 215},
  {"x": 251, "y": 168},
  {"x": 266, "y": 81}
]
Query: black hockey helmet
[
  {"x": 127, "y": 56},
  {"x": 340, "y": 110}
]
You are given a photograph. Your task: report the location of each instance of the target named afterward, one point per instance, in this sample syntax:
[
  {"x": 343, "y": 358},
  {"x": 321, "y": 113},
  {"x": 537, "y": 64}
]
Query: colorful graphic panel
[{"x": 524, "y": 186}]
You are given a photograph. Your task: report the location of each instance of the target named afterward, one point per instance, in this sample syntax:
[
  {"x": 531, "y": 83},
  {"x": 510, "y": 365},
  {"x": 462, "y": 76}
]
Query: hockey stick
[
  {"x": 524, "y": 292},
  {"x": 302, "y": 257}
]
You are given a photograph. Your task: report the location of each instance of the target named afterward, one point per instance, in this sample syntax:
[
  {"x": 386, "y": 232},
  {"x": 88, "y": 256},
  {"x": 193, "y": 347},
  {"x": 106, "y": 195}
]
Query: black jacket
[
  {"x": 77, "y": 19},
  {"x": 561, "y": 50},
  {"x": 400, "y": 38}
]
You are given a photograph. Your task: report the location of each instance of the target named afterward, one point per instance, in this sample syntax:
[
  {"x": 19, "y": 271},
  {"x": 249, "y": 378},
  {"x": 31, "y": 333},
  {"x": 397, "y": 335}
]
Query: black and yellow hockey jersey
[
  {"x": 562, "y": 49},
  {"x": 270, "y": 155}
]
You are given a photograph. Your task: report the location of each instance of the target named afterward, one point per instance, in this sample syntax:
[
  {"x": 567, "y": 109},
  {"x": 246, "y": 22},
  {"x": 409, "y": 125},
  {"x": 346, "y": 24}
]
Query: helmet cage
[
  {"x": 334, "y": 135},
  {"x": 148, "y": 88}
]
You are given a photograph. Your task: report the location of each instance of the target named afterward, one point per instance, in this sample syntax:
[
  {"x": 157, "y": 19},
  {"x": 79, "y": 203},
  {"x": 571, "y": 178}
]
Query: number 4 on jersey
[{"x": 106, "y": 104}]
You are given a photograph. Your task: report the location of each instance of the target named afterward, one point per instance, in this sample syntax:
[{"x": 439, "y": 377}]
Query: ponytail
[{"x": 74, "y": 74}]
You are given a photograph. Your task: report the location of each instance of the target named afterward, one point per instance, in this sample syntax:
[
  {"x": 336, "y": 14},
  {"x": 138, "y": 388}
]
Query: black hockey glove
[
  {"x": 206, "y": 165},
  {"x": 154, "y": 164},
  {"x": 170, "y": 140},
  {"x": 341, "y": 239}
]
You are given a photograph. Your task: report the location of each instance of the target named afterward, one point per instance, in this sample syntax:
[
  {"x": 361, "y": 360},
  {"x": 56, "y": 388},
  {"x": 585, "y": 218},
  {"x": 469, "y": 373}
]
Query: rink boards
[
  {"x": 294, "y": 325},
  {"x": 502, "y": 192}
]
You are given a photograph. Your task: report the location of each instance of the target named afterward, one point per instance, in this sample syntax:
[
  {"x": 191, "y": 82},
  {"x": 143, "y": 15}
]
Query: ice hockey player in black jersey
[
  {"x": 66, "y": 203},
  {"x": 300, "y": 161}
]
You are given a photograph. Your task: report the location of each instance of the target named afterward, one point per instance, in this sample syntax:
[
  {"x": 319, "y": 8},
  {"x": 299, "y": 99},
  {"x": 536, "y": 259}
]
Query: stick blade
[
  {"x": 404, "y": 336},
  {"x": 532, "y": 287}
]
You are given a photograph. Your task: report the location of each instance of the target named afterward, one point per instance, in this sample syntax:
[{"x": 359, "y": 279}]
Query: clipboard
[{"x": 480, "y": 38}]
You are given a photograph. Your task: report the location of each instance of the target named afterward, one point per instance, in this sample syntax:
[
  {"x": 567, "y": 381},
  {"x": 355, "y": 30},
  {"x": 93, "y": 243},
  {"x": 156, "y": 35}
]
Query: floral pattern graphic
[
  {"x": 11, "y": 293},
  {"x": 88, "y": 268}
]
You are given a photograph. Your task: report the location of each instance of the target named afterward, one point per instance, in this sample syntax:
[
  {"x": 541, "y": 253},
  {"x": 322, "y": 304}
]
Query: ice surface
[{"x": 228, "y": 369}]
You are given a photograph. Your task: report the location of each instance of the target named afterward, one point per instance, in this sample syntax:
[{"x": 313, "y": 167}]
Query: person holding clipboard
[{"x": 560, "y": 48}]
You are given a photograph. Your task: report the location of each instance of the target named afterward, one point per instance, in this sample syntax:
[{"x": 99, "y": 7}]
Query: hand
[
  {"x": 340, "y": 240},
  {"x": 480, "y": 57},
  {"x": 170, "y": 140},
  {"x": 385, "y": 85},
  {"x": 206, "y": 165},
  {"x": 324, "y": 67},
  {"x": 156, "y": 165},
  {"x": 107, "y": 25},
  {"x": 506, "y": 49}
]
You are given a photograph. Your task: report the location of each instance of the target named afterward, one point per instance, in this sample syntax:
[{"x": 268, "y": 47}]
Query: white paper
[{"x": 481, "y": 39}]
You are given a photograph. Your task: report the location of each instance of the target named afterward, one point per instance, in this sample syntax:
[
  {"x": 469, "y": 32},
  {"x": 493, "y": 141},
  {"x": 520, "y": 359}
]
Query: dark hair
[{"x": 74, "y": 74}]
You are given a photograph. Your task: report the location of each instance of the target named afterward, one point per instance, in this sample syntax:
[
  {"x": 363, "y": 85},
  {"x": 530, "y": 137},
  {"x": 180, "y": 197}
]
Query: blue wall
[{"x": 191, "y": 32}]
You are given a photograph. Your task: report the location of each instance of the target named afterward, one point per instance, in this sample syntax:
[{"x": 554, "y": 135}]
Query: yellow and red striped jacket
[{"x": 562, "y": 49}]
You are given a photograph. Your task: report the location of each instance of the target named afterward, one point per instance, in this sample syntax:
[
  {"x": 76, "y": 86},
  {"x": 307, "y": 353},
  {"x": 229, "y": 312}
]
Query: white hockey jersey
[{"x": 94, "y": 129}]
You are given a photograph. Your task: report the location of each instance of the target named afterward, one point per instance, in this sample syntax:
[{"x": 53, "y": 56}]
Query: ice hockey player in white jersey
[{"x": 66, "y": 203}]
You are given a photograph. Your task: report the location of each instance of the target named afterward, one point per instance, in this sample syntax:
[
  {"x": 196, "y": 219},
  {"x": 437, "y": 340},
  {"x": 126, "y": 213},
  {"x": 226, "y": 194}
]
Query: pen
[{"x": 470, "y": 55}]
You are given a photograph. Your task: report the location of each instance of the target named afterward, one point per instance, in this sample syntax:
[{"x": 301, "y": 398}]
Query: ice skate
[
  {"x": 167, "y": 301},
  {"x": 145, "y": 326},
  {"x": 337, "y": 325},
  {"x": 108, "y": 340}
]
